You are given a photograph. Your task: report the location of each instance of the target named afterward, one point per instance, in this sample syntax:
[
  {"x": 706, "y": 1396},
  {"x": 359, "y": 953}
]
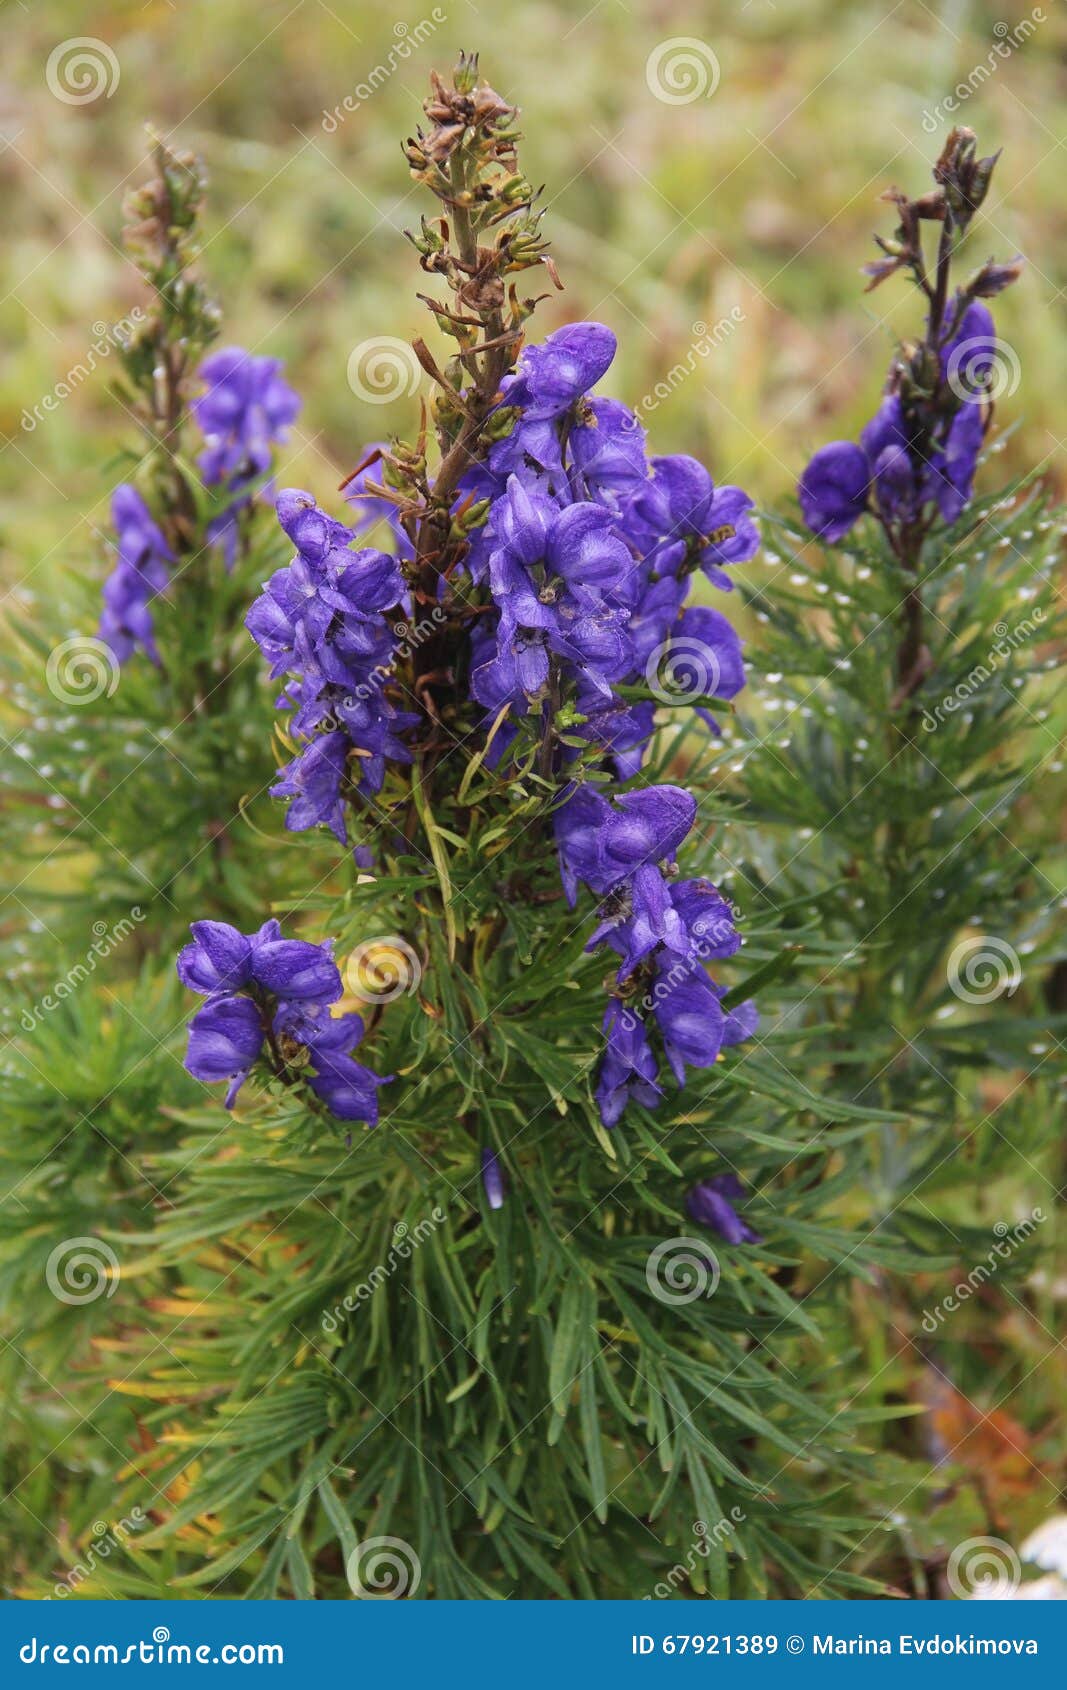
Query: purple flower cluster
[
  {"x": 588, "y": 549},
  {"x": 264, "y": 990},
  {"x": 321, "y": 622},
  {"x": 909, "y": 453},
  {"x": 245, "y": 410},
  {"x": 583, "y": 562},
  {"x": 663, "y": 930},
  {"x": 141, "y": 571}
]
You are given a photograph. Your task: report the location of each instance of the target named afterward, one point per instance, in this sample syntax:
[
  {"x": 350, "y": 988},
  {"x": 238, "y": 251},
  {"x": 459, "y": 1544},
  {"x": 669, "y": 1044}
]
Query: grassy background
[{"x": 761, "y": 198}]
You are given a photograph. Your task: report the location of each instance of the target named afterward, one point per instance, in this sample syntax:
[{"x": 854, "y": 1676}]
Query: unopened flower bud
[{"x": 993, "y": 278}]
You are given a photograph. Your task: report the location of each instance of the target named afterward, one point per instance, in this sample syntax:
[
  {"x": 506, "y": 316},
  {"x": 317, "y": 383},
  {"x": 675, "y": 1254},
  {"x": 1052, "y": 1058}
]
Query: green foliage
[
  {"x": 313, "y": 1342},
  {"x": 927, "y": 855},
  {"x": 124, "y": 794}
]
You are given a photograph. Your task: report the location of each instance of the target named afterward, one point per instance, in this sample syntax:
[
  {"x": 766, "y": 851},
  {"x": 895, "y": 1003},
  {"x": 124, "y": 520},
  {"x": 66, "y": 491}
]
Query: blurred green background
[{"x": 756, "y": 198}]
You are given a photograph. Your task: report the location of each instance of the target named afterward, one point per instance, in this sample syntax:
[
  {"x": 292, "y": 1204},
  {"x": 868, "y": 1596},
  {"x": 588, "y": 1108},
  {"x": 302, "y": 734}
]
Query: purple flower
[
  {"x": 621, "y": 731},
  {"x": 579, "y": 827},
  {"x": 968, "y": 353},
  {"x": 711, "y": 1204},
  {"x": 218, "y": 960},
  {"x": 315, "y": 1025},
  {"x": 314, "y": 534},
  {"x": 348, "y": 1089},
  {"x": 561, "y": 577},
  {"x": 492, "y": 1179},
  {"x": 574, "y": 548},
  {"x": 313, "y": 782},
  {"x": 690, "y": 919},
  {"x": 292, "y": 968},
  {"x": 581, "y": 566},
  {"x": 908, "y": 457},
  {"x": 704, "y": 654},
  {"x": 646, "y": 826},
  {"x": 222, "y": 960},
  {"x": 629, "y": 1068},
  {"x": 639, "y": 918},
  {"x": 951, "y": 478},
  {"x": 225, "y": 1038},
  {"x": 602, "y": 843},
  {"x": 260, "y": 980},
  {"x": 320, "y": 621},
  {"x": 607, "y": 447},
  {"x": 688, "y": 523},
  {"x": 140, "y": 539},
  {"x": 245, "y": 410},
  {"x": 834, "y": 489},
  {"x": 705, "y": 920},
  {"x": 139, "y": 574},
  {"x": 689, "y": 1016},
  {"x": 563, "y": 368}
]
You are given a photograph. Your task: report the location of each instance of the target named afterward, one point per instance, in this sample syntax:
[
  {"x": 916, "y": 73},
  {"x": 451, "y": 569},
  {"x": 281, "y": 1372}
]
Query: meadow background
[
  {"x": 758, "y": 200},
  {"x": 751, "y": 208}
]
